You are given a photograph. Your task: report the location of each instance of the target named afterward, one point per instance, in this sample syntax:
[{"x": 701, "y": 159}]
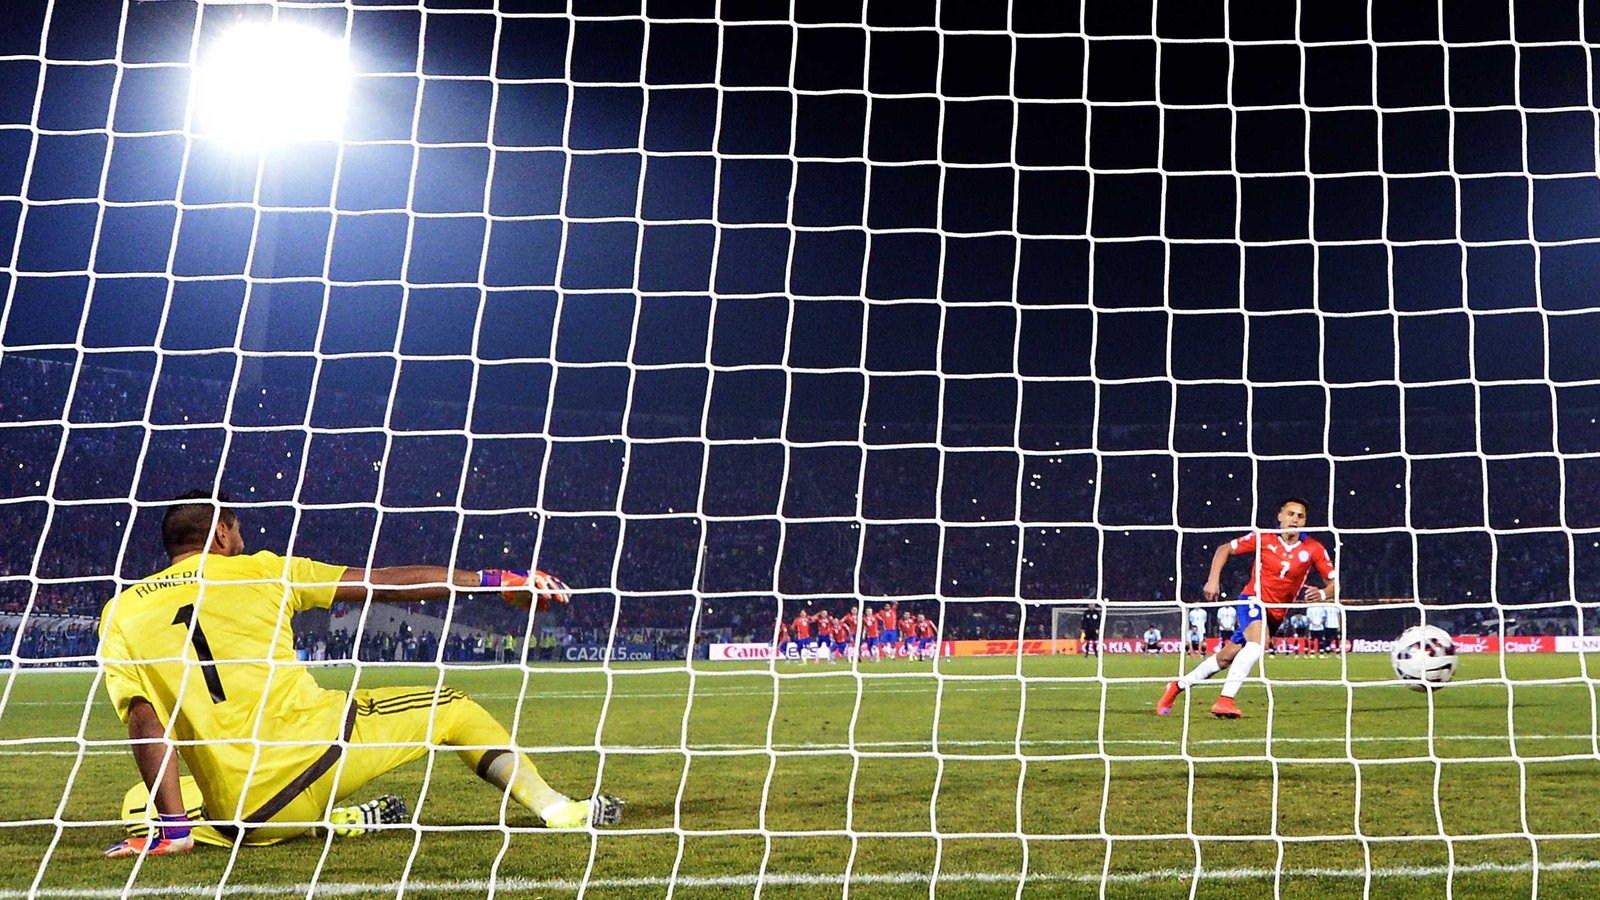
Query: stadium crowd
[{"x": 365, "y": 489}]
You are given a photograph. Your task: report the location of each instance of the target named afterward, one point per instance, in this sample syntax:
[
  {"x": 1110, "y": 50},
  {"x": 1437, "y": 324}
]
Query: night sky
[{"x": 979, "y": 273}]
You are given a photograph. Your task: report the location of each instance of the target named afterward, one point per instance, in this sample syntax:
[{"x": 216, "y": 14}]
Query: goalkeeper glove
[
  {"x": 533, "y": 588},
  {"x": 169, "y": 835}
]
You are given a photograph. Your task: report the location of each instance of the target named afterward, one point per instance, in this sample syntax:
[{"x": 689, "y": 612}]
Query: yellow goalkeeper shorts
[{"x": 391, "y": 726}]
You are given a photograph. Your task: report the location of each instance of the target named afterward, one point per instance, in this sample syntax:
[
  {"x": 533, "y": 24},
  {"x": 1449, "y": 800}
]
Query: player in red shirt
[
  {"x": 801, "y": 626},
  {"x": 783, "y": 638},
  {"x": 891, "y": 632},
  {"x": 925, "y": 632},
  {"x": 848, "y": 621},
  {"x": 869, "y": 635},
  {"x": 1282, "y": 560},
  {"x": 822, "y": 624},
  {"x": 841, "y": 639}
]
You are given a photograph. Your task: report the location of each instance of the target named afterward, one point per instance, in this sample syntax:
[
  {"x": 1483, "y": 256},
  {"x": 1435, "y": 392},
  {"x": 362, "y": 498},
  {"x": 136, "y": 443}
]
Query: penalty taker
[{"x": 1283, "y": 559}]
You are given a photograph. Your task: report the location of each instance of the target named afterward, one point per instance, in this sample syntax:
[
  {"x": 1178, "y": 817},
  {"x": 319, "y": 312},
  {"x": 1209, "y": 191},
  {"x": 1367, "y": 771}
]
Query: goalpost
[
  {"x": 1123, "y": 625},
  {"x": 1066, "y": 622},
  {"x": 727, "y": 312}
]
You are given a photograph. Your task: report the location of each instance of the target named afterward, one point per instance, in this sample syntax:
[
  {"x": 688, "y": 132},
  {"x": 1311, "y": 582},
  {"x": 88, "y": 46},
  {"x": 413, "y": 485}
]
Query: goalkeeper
[{"x": 200, "y": 655}]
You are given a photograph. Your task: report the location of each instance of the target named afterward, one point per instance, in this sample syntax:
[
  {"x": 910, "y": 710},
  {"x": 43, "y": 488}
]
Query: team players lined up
[
  {"x": 884, "y": 633},
  {"x": 1312, "y": 631}
]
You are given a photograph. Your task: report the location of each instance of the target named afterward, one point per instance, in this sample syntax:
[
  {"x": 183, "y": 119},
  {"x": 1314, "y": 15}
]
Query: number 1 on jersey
[{"x": 202, "y": 649}]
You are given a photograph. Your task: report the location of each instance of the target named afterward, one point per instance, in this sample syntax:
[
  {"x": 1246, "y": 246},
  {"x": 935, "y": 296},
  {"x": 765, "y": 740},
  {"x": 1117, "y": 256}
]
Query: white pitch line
[
  {"x": 805, "y": 689},
  {"x": 703, "y": 691},
  {"x": 810, "y": 690},
  {"x": 889, "y": 745},
  {"x": 529, "y": 885}
]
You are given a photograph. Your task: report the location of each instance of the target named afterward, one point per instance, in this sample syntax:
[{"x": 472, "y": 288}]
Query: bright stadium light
[{"x": 271, "y": 83}]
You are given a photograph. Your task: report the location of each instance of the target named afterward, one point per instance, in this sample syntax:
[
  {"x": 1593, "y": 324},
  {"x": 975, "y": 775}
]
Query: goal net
[
  {"x": 736, "y": 314},
  {"x": 1123, "y": 628}
]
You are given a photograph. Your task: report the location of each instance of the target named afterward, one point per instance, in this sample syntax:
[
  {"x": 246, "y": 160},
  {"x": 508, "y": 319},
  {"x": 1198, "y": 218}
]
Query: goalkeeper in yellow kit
[{"x": 199, "y": 661}]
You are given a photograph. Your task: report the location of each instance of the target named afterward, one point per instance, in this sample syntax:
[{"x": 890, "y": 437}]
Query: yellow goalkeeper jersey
[{"x": 207, "y": 641}]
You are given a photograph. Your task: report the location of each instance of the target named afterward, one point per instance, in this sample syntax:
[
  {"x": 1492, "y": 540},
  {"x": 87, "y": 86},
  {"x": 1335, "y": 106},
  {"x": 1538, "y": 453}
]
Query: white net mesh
[{"x": 729, "y": 313}]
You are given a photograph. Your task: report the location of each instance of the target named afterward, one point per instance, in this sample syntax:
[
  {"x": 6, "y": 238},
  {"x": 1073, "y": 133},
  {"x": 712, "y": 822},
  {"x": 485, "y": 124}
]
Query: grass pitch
[{"x": 803, "y": 779}]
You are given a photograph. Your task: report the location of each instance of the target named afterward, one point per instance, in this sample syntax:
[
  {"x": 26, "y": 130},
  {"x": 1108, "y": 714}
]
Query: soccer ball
[{"x": 1424, "y": 657}]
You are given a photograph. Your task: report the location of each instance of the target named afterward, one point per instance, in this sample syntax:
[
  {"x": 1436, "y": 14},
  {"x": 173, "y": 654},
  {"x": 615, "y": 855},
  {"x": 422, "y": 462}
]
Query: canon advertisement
[{"x": 761, "y": 651}]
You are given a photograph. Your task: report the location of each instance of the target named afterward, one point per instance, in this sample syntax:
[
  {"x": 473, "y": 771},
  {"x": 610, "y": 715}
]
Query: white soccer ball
[{"x": 1424, "y": 657}]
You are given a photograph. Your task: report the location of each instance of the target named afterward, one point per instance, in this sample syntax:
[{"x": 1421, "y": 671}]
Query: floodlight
[{"x": 269, "y": 83}]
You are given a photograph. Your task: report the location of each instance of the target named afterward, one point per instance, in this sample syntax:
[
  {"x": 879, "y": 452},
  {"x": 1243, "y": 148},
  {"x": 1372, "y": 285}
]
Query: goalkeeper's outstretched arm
[{"x": 406, "y": 584}]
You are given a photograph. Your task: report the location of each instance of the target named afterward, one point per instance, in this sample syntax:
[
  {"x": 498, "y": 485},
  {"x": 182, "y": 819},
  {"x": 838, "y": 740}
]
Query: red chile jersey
[
  {"x": 870, "y": 623},
  {"x": 1280, "y": 571},
  {"x": 886, "y": 617},
  {"x": 802, "y": 627},
  {"x": 841, "y": 634},
  {"x": 848, "y": 620},
  {"x": 824, "y": 623},
  {"x": 783, "y": 633},
  {"x": 925, "y": 629}
]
